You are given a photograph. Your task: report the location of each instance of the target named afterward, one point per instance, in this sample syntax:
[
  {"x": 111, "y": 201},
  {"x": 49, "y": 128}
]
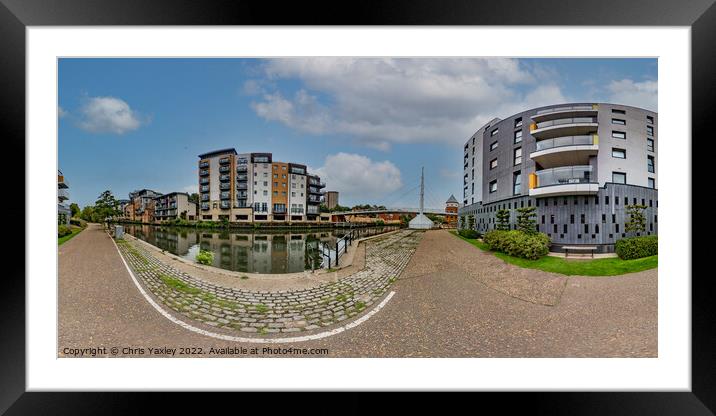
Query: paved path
[{"x": 452, "y": 300}]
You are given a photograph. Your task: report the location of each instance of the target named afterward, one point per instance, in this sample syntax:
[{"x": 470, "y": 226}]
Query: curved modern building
[{"x": 579, "y": 164}]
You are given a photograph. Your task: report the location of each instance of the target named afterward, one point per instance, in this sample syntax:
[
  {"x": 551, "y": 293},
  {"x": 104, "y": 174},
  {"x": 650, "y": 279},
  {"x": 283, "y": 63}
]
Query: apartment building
[
  {"x": 64, "y": 213},
  {"x": 172, "y": 206},
  {"x": 252, "y": 187},
  {"x": 142, "y": 205},
  {"x": 579, "y": 164},
  {"x": 331, "y": 199}
]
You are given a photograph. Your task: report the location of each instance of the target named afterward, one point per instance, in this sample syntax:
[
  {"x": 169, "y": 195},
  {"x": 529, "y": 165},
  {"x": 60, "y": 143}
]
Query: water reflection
[{"x": 246, "y": 250}]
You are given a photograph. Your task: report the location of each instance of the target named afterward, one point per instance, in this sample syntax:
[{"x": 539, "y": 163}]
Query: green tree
[
  {"x": 106, "y": 206},
  {"x": 637, "y": 220},
  {"x": 75, "y": 209},
  {"x": 87, "y": 213},
  {"x": 526, "y": 220},
  {"x": 503, "y": 219},
  {"x": 194, "y": 197},
  {"x": 470, "y": 222}
]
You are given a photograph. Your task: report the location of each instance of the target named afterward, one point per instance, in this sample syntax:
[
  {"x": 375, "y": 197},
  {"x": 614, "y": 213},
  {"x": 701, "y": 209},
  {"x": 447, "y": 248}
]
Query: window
[
  {"x": 493, "y": 186},
  {"x": 617, "y": 111},
  {"x": 652, "y": 185},
  {"x": 493, "y": 146},
  {"x": 518, "y": 136},
  {"x": 618, "y": 177},
  {"x": 494, "y": 132},
  {"x": 618, "y": 153},
  {"x": 493, "y": 164},
  {"x": 518, "y": 156},
  {"x": 619, "y": 135},
  {"x": 518, "y": 122},
  {"x": 650, "y": 119},
  {"x": 650, "y": 164},
  {"x": 516, "y": 183},
  {"x": 650, "y": 130},
  {"x": 619, "y": 121},
  {"x": 650, "y": 145}
]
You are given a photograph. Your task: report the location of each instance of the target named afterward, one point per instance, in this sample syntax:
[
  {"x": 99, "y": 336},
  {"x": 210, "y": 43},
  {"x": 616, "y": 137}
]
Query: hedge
[
  {"x": 637, "y": 247},
  {"x": 472, "y": 234},
  {"x": 63, "y": 230},
  {"x": 518, "y": 243}
]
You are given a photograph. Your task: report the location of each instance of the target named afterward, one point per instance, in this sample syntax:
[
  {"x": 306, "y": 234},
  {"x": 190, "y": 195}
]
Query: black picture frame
[{"x": 15, "y": 15}]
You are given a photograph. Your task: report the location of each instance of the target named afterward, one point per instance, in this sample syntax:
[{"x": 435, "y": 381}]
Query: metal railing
[
  {"x": 564, "y": 175},
  {"x": 565, "y": 108},
  {"x": 564, "y": 141},
  {"x": 561, "y": 121}
]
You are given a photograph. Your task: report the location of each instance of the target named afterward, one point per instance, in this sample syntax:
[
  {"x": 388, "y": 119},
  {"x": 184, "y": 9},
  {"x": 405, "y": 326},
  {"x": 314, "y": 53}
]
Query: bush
[
  {"x": 63, "y": 230},
  {"x": 637, "y": 247},
  {"x": 517, "y": 243},
  {"x": 205, "y": 257},
  {"x": 472, "y": 234}
]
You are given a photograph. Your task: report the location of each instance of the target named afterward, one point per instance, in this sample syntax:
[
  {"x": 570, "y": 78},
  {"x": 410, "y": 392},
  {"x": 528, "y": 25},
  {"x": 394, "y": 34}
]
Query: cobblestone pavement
[{"x": 275, "y": 312}]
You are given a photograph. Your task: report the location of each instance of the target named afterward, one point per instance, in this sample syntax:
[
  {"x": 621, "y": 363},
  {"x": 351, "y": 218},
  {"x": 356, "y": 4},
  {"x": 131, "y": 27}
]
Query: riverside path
[{"x": 437, "y": 297}]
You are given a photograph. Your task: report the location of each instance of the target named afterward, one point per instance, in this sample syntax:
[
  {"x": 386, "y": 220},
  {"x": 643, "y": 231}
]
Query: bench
[{"x": 578, "y": 248}]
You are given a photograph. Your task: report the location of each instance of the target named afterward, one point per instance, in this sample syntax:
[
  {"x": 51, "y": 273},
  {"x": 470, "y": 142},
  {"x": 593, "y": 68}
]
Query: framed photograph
[{"x": 433, "y": 197}]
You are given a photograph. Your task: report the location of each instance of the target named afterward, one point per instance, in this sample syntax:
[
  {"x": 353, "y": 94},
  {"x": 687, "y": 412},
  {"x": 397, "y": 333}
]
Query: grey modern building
[
  {"x": 64, "y": 213},
  {"x": 579, "y": 164}
]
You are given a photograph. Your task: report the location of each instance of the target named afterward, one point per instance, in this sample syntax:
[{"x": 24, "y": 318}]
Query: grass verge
[
  {"x": 597, "y": 267},
  {"x": 62, "y": 240}
]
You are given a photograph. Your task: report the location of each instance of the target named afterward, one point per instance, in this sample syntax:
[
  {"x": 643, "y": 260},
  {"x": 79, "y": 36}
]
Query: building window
[
  {"x": 619, "y": 121},
  {"x": 650, "y": 145},
  {"x": 619, "y": 135},
  {"x": 494, "y": 132},
  {"x": 493, "y": 186},
  {"x": 650, "y": 164},
  {"x": 650, "y": 119},
  {"x": 650, "y": 130},
  {"x": 493, "y": 164},
  {"x": 493, "y": 146},
  {"x": 618, "y": 153},
  {"x": 518, "y": 136},
  {"x": 516, "y": 183},
  {"x": 518, "y": 156},
  {"x": 617, "y": 111},
  {"x": 518, "y": 122},
  {"x": 619, "y": 177},
  {"x": 652, "y": 185}
]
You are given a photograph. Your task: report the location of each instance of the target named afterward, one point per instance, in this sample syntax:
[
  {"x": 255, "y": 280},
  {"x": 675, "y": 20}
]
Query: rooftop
[{"x": 229, "y": 150}]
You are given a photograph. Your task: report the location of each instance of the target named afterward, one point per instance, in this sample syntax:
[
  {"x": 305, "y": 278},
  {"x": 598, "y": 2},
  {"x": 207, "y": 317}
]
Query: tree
[
  {"x": 438, "y": 219},
  {"x": 525, "y": 220},
  {"x": 471, "y": 222},
  {"x": 194, "y": 197},
  {"x": 637, "y": 221},
  {"x": 75, "y": 209},
  {"x": 503, "y": 219},
  {"x": 106, "y": 206},
  {"x": 87, "y": 213}
]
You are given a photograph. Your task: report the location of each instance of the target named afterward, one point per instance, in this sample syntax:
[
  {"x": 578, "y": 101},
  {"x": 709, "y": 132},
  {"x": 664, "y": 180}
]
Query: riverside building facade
[
  {"x": 252, "y": 187},
  {"x": 578, "y": 164}
]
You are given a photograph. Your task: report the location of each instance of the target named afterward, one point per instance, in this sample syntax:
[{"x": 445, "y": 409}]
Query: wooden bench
[{"x": 578, "y": 248}]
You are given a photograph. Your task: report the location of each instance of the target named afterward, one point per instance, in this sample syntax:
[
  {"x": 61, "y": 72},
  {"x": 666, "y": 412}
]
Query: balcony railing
[
  {"x": 63, "y": 194},
  {"x": 205, "y": 197},
  {"x": 224, "y": 169},
  {"x": 242, "y": 185},
  {"x": 204, "y": 180},
  {"x": 242, "y": 178},
  {"x": 204, "y": 164},
  {"x": 565, "y": 108},
  {"x": 225, "y": 195},
  {"x": 279, "y": 210},
  {"x": 562, "y": 121},
  {"x": 204, "y": 188},
  {"x": 564, "y": 176},
  {"x": 225, "y": 178},
  {"x": 224, "y": 160},
  {"x": 225, "y": 186},
  {"x": 203, "y": 172},
  {"x": 204, "y": 206},
  {"x": 225, "y": 205},
  {"x": 241, "y": 168},
  {"x": 565, "y": 141}
]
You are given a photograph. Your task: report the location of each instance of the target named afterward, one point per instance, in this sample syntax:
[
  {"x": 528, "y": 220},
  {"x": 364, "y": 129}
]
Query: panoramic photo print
[{"x": 357, "y": 207}]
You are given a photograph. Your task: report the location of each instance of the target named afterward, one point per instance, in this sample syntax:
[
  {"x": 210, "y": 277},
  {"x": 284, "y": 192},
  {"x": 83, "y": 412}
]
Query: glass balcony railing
[
  {"x": 224, "y": 160},
  {"x": 565, "y": 141},
  {"x": 565, "y": 108},
  {"x": 225, "y": 186},
  {"x": 225, "y": 178},
  {"x": 563, "y": 121},
  {"x": 204, "y": 180},
  {"x": 225, "y": 204},
  {"x": 204, "y": 206},
  {"x": 224, "y": 169},
  {"x": 241, "y": 168},
  {"x": 564, "y": 176},
  {"x": 203, "y": 172},
  {"x": 204, "y": 164}
]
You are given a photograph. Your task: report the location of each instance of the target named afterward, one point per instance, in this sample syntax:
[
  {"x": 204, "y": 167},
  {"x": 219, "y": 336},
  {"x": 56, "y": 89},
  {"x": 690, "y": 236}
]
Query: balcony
[
  {"x": 225, "y": 195},
  {"x": 204, "y": 181},
  {"x": 224, "y": 161},
  {"x": 205, "y": 188},
  {"x": 225, "y": 178},
  {"x": 279, "y": 210},
  {"x": 316, "y": 183},
  {"x": 225, "y": 186},
  {"x": 241, "y": 168},
  {"x": 565, "y": 151},
  {"x": 316, "y": 191},
  {"x": 225, "y": 205},
  {"x": 567, "y": 180},
  {"x": 205, "y": 206},
  {"x": 203, "y": 164},
  {"x": 205, "y": 197},
  {"x": 63, "y": 194},
  {"x": 204, "y": 172},
  {"x": 554, "y": 113},
  {"x": 564, "y": 127},
  {"x": 242, "y": 178},
  {"x": 224, "y": 169}
]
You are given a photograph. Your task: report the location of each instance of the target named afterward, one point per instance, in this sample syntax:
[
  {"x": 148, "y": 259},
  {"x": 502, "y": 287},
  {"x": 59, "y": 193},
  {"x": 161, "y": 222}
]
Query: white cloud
[
  {"x": 191, "y": 189},
  {"x": 381, "y": 102},
  {"x": 639, "y": 94},
  {"x": 358, "y": 178},
  {"x": 108, "y": 115}
]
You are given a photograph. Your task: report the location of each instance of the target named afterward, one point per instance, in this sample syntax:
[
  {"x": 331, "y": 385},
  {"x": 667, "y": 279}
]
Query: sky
[{"x": 365, "y": 125}]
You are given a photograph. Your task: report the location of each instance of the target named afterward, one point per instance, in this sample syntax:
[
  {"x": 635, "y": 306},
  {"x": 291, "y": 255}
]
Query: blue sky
[{"x": 365, "y": 125}]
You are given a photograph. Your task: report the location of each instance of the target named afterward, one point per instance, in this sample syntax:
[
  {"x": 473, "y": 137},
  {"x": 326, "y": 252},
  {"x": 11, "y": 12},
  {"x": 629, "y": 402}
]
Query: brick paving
[{"x": 275, "y": 312}]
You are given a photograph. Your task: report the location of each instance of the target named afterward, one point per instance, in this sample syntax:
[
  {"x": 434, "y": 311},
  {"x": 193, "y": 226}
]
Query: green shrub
[
  {"x": 205, "y": 257},
  {"x": 517, "y": 243},
  {"x": 472, "y": 234},
  {"x": 637, "y": 247},
  {"x": 63, "y": 230},
  {"x": 78, "y": 222}
]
